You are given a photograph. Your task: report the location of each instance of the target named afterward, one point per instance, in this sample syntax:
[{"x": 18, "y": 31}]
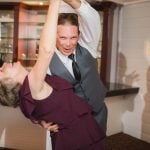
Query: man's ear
[{"x": 79, "y": 32}]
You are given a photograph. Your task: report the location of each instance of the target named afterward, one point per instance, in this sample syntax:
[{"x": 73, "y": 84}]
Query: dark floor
[{"x": 122, "y": 141}]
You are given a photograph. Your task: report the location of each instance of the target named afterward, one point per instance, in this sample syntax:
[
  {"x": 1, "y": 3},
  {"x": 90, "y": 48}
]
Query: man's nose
[{"x": 68, "y": 42}]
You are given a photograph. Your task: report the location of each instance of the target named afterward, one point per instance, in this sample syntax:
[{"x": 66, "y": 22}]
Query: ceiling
[{"x": 125, "y": 2}]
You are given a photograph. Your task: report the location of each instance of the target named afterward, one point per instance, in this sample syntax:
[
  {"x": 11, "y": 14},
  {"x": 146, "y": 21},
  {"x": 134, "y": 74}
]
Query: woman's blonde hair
[{"x": 9, "y": 93}]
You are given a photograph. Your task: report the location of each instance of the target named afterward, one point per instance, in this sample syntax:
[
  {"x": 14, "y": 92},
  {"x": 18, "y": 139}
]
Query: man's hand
[{"x": 50, "y": 126}]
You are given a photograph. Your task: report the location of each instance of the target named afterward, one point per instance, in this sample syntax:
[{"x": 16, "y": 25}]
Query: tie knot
[{"x": 71, "y": 56}]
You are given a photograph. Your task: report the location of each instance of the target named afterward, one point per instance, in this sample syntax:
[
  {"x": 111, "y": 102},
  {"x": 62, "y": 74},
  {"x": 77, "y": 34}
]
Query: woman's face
[{"x": 10, "y": 70}]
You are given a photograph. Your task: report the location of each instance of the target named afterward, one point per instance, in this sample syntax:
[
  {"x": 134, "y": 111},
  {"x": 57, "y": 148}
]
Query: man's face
[{"x": 67, "y": 38}]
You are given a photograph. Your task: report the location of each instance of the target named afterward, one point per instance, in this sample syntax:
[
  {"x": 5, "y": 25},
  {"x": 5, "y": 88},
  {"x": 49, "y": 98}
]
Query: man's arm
[{"x": 90, "y": 27}]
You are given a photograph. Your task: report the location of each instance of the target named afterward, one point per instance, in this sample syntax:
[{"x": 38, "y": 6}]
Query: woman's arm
[{"x": 38, "y": 87}]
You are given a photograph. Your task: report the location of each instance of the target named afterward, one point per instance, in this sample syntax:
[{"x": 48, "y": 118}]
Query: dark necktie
[{"x": 75, "y": 68}]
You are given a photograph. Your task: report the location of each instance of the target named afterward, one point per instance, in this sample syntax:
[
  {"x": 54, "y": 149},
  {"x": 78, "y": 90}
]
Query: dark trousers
[{"x": 101, "y": 117}]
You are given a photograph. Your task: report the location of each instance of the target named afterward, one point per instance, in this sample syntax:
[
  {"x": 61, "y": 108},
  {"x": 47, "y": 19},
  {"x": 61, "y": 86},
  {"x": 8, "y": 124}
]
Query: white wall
[
  {"x": 117, "y": 106},
  {"x": 18, "y": 132},
  {"x": 134, "y": 66}
]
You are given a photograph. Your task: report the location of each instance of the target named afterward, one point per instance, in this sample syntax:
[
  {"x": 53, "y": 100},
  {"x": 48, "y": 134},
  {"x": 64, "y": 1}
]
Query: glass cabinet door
[
  {"x": 6, "y": 35},
  {"x": 30, "y": 26}
]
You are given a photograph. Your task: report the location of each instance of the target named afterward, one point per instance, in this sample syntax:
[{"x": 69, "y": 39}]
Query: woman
[{"x": 50, "y": 98}]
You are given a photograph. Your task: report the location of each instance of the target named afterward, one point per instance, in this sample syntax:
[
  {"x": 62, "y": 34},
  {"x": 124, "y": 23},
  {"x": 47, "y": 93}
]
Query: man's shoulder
[{"x": 82, "y": 49}]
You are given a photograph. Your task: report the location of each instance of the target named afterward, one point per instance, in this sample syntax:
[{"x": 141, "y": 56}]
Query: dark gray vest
[{"x": 90, "y": 88}]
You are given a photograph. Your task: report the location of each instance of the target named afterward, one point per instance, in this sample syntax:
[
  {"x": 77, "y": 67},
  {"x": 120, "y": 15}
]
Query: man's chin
[{"x": 66, "y": 53}]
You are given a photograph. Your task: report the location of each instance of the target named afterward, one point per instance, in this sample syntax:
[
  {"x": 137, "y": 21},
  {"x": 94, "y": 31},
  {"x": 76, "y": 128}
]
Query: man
[{"x": 82, "y": 41}]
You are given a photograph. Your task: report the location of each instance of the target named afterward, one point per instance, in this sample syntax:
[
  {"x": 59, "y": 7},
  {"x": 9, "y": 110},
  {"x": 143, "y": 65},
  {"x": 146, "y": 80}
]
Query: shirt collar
[{"x": 64, "y": 58}]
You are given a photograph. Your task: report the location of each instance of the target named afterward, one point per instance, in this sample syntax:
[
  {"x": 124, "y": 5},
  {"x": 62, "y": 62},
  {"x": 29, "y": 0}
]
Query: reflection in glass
[{"x": 6, "y": 35}]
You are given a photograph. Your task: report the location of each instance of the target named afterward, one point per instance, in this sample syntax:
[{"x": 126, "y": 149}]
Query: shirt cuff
[{"x": 83, "y": 7}]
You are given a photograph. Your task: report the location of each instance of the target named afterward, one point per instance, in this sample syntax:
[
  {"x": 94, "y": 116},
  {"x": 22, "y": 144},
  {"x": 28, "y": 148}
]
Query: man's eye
[
  {"x": 74, "y": 38},
  {"x": 63, "y": 38}
]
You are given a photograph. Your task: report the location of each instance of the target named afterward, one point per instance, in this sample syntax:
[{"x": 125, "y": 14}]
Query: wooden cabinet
[
  {"x": 31, "y": 21},
  {"x": 20, "y": 28},
  {"x": 107, "y": 10}
]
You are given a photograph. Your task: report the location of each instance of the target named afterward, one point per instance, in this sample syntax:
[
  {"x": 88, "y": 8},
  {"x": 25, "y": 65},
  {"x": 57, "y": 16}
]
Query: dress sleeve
[
  {"x": 27, "y": 103},
  {"x": 58, "y": 83}
]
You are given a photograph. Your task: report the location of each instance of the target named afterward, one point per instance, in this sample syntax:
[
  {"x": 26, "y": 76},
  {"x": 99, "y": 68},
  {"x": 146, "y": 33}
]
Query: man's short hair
[{"x": 68, "y": 18}]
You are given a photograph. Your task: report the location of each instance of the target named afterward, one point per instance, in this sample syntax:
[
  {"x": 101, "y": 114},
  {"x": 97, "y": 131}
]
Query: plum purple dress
[{"x": 78, "y": 130}]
